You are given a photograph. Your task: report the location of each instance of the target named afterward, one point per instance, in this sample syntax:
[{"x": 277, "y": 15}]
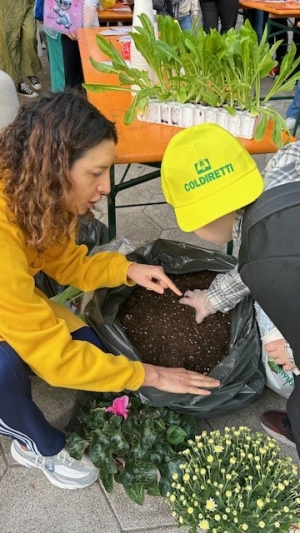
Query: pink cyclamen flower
[{"x": 119, "y": 407}]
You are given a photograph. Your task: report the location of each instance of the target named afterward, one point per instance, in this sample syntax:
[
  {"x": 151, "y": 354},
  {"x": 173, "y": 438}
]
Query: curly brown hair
[{"x": 37, "y": 151}]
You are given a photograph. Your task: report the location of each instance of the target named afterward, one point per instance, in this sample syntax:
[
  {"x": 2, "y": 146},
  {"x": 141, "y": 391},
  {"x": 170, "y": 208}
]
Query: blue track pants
[{"x": 20, "y": 418}]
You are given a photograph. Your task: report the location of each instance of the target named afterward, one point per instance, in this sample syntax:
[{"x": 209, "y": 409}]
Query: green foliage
[
  {"x": 212, "y": 69},
  {"x": 141, "y": 452}
]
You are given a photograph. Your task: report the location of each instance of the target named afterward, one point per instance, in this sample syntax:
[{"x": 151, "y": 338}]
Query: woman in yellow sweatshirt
[{"x": 54, "y": 165}]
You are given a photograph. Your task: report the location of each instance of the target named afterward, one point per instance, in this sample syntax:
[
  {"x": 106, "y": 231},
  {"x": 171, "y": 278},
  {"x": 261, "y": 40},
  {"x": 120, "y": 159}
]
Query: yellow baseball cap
[{"x": 206, "y": 173}]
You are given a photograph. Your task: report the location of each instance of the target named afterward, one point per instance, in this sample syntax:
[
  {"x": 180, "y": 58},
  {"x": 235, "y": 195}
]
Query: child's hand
[
  {"x": 152, "y": 278},
  {"x": 200, "y": 302},
  {"x": 278, "y": 351}
]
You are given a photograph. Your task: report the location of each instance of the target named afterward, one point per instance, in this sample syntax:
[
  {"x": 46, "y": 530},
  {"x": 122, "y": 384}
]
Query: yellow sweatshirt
[{"x": 39, "y": 330}]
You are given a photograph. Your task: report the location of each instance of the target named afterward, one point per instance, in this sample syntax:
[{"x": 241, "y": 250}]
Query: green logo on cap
[
  {"x": 203, "y": 165},
  {"x": 206, "y": 174}
]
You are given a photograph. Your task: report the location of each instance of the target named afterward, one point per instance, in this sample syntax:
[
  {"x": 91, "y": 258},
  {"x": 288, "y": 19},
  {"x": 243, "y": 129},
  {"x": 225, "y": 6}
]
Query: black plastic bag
[{"x": 241, "y": 372}]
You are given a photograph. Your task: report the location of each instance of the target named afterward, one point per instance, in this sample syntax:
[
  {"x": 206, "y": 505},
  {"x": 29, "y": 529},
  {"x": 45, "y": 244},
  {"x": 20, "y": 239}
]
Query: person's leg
[
  {"x": 72, "y": 62},
  {"x": 296, "y": 39},
  {"x": 20, "y": 418},
  {"x": 86, "y": 334},
  {"x": 185, "y": 22},
  {"x": 30, "y": 61},
  {"x": 210, "y": 15},
  {"x": 269, "y": 265},
  {"x": 56, "y": 63},
  {"x": 11, "y": 18},
  {"x": 293, "y": 412},
  {"x": 283, "y": 36},
  {"x": 228, "y": 13},
  {"x": 36, "y": 444},
  {"x": 260, "y": 23},
  {"x": 294, "y": 107}
]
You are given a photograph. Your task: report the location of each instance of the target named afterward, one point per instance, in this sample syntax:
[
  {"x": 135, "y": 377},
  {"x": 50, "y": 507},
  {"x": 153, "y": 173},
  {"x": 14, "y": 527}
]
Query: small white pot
[{"x": 242, "y": 124}]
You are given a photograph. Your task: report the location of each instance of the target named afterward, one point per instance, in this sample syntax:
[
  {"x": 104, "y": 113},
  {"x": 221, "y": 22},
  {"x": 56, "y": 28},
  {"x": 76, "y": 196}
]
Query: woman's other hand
[{"x": 178, "y": 380}]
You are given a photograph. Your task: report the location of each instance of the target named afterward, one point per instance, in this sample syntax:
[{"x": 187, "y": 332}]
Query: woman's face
[{"x": 90, "y": 177}]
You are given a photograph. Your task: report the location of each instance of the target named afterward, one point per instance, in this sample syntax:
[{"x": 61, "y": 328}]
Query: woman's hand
[
  {"x": 277, "y": 350},
  {"x": 152, "y": 278},
  {"x": 178, "y": 380}
]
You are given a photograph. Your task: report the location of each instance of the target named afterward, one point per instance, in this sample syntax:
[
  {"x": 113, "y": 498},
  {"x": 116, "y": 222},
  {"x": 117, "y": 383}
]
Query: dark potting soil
[{"x": 165, "y": 332}]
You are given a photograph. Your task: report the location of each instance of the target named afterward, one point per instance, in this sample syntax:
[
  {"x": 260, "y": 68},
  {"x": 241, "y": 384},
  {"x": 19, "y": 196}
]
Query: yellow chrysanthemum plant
[{"x": 233, "y": 482}]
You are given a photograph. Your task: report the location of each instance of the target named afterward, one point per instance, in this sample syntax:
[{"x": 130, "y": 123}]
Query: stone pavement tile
[
  {"x": 56, "y": 403},
  {"x": 3, "y": 464},
  {"x": 31, "y": 504},
  {"x": 153, "y": 515}
]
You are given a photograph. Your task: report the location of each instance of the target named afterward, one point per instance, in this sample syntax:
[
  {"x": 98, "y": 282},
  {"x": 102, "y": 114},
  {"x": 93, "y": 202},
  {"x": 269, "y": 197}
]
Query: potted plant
[
  {"x": 131, "y": 443},
  {"x": 210, "y": 70},
  {"x": 233, "y": 482}
]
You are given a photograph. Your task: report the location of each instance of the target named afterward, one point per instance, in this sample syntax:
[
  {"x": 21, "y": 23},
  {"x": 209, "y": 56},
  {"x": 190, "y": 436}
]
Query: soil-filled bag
[{"x": 240, "y": 372}]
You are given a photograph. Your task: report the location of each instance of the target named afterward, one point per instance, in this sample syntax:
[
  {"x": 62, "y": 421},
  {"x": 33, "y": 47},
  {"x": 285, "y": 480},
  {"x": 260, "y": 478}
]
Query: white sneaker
[
  {"x": 290, "y": 122},
  {"x": 62, "y": 470}
]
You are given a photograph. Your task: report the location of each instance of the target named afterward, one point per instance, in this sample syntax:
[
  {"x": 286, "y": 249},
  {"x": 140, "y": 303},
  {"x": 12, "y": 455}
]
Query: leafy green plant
[
  {"x": 211, "y": 69},
  {"x": 235, "y": 482},
  {"x": 131, "y": 443}
]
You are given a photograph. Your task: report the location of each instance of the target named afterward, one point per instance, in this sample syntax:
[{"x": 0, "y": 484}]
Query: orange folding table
[
  {"x": 283, "y": 8},
  {"x": 118, "y": 13},
  {"x": 280, "y": 9}
]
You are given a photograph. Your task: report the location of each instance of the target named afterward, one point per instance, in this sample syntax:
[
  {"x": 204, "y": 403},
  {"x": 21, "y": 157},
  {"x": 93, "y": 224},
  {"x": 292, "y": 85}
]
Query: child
[
  {"x": 209, "y": 186},
  {"x": 55, "y": 160},
  {"x": 70, "y": 48},
  {"x": 188, "y": 13}
]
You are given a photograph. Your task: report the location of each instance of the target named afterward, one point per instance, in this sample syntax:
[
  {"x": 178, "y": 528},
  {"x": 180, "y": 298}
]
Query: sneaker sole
[
  {"x": 22, "y": 461},
  {"x": 34, "y": 95},
  {"x": 278, "y": 437}
]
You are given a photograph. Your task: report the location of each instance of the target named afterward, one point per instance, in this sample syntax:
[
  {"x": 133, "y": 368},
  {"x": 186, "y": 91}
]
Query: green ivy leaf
[
  {"x": 176, "y": 435},
  {"x": 136, "y": 493},
  {"x": 112, "y": 424},
  {"x": 189, "y": 424},
  {"x": 76, "y": 445},
  {"x": 167, "y": 470},
  {"x": 107, "y": 480},
  {"x": 101, "y": 453},
  {"x": 153, "y": 489},
  {"x": 138, "y": 472}
]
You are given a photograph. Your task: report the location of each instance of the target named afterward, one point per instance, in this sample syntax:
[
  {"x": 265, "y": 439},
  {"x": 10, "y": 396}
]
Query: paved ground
[{"x": 28, "y": 502}]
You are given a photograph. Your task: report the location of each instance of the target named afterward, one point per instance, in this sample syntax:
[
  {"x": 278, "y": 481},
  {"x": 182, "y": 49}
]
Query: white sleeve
[
  {"x": 90, "y": 15},
  {"x": 195, "y": 9}
]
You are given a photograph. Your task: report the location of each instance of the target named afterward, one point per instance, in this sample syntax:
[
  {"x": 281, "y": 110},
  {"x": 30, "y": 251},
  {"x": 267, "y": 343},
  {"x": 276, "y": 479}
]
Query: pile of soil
[{"x": 165, "y": 332}]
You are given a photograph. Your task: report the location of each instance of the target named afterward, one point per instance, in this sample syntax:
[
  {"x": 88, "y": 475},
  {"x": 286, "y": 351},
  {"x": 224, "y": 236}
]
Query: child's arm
[
  {"x": 195, "y": 9},
  {"x": 224, "y": 293},
  {"x": 227, "y": 290},
  {"x": 90, "y": 16}
]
